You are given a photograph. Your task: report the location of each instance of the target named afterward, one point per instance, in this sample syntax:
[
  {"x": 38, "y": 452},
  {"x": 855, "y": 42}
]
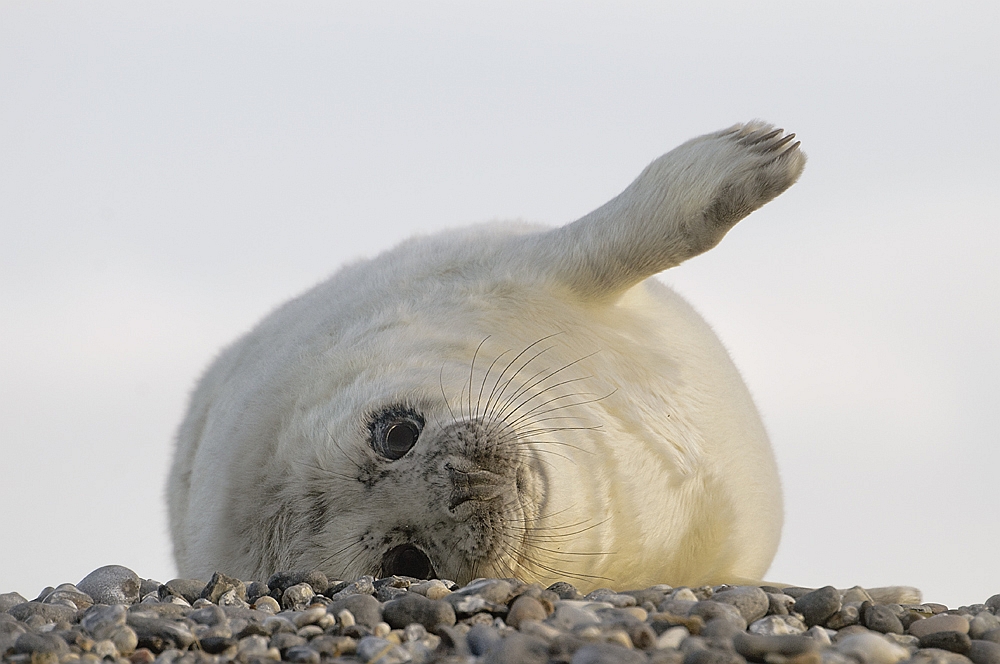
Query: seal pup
[{"x": 504, "y": 400}]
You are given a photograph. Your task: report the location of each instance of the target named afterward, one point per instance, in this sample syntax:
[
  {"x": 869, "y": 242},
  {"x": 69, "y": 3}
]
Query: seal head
[{"x": 503, "y": 401}]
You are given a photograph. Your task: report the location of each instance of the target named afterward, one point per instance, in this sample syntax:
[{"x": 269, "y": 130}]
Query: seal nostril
[{"x": 407, "y": 560}]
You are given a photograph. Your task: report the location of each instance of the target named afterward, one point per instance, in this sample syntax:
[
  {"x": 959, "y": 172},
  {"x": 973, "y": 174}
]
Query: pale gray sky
[{"x": 171, "y": 171}]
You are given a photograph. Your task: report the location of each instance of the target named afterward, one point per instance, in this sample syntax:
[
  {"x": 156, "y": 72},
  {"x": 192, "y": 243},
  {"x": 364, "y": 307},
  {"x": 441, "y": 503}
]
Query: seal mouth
[{"x": 407, "y": 560}]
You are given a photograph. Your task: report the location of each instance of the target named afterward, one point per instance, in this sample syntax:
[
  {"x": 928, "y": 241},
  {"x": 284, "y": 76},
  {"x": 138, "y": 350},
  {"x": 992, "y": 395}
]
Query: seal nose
[
  {"x": 481, "y": 485},
  {"x": 407, "y": 560}
]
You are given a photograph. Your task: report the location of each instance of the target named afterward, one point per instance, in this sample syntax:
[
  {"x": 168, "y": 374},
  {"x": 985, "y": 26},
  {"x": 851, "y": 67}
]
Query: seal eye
[
  {"x": 399, "y": 438},
  {"x": 395, "y": 431}
]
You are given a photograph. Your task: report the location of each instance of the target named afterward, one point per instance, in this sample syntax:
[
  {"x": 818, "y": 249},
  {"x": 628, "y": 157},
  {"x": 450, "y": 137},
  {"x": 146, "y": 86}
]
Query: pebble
[
  {"x": 432, "y": 589},
  {"x": 111, "y": 584},
  {"x": 819, "y": 605},
  {"x": 882, "y": 618},
  {"x": 950, "y": 641},
  {"x": 413, "y": 608},
  {"x": 872, "y": 648},
  {"x": 364, "y": 609},
  {"x": 983, "y": 622},
  {"x": 9, "y": 600},
  {"x": 221, "y": 584},
  {"x": 778, "y": 625},
  {"x": 751, "y": 602},
  {"x": 282, "y": 581},
  {"x": 943, "y": 622},
  {"x": 188, "y": 589},
  {"x": 607, "y": 653},
  {"x": 526, "y": 608},
  {"x": 984, "y": 652},
  {"x": 301, "y": 617}
]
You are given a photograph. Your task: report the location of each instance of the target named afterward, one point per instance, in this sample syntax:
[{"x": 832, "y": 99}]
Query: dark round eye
[
  {"x": 399, "y": 438},
  {"x": 395, "y": 431}
]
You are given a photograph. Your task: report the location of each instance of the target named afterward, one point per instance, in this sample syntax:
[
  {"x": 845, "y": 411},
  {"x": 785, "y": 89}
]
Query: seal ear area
[
  {"x": 394, "y": 431},
  {"x": 680, "y": 206}
]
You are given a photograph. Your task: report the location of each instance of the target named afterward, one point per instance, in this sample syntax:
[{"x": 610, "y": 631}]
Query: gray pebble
[
  {"x": 147, "y": 586},
  {"x": 653, "y": 595},
  {"x": 881, "y": 618},
  {"x": 518, "y": 648},
  {"x": 607, "y": 653},
  {"x": 10, "y": 630},
  {"x": 565, "y": 590},
  {"x": 984, "y": 652},
  {"x": 231, "y": 599},
  {"x": 111, "y": 584},
  {"x": 371, "y": 647},
  {"x": 215, "y": 645},
  {"x": 159, "y": 634},
  {"x": 777, "y": 626},
  {"x": 495, "y": 591},
  {"x": 256, "y": 590},
  {"x": 937, "y": 656},
  {"x": 469, "y": 605},
  {"x": 943, "y": 622},
  {"x": 848, "y": 615},
  {"x": 8, "y": 600},
  {"x": 363, "y": 586},
  {"x": 221, "y": 584},
  {"x": 209, "y": 615},
  {"x": 818, "y": 605},
  {"x": 297, "y": 597},
  {"x": 570, "y": 615},
  {"x": 951, "y": 641},
  {"x": 751, "y": 602},
  {"x": 481, "y": 639},
  {"x": 414, "y": 608},
  {"x": 189, "y": 589},
  {"x": 46, "y": 612},
  {"x": 31, "y": 643},
  {"x": 993, "y": 604},
  {"x": 709, "y": 610},
  {"x": 613, "y": 598},
  {"x": 365, "y": 609},
  {"x": 102, "y": 621},
  {"x": 779, "y": 604},
  {"x": 388, "y": 593},
  {"x": 713, "y": 656},
  {"x": 282, "y": 581},
  {"x": 758, "y": 648},
  {"x": 982, "y": 623},
  {"x": 69, "y": 595},
  {"x": 285, "y": 640},
  {"x": 301, "y": 655}
]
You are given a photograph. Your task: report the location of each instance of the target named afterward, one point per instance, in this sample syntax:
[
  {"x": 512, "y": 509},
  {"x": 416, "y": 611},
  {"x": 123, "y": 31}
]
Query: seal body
[{"x": 499, "y": 401}]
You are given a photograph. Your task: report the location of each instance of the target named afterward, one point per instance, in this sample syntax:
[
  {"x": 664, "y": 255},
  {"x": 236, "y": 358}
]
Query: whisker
[
  {"x": 559, "y": 370},
  {"x": 488, "y": 412},
  {"x": 472, "y": 369},
  {"x": 445, "y": 396}
]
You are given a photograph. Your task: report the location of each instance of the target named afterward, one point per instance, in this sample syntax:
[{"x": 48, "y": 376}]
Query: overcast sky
[{"x": 169, "y": 172}]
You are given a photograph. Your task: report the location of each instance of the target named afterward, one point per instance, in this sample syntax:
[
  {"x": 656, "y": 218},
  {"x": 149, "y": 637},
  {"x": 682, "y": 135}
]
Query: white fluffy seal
[{"x": 499, "y": 401}]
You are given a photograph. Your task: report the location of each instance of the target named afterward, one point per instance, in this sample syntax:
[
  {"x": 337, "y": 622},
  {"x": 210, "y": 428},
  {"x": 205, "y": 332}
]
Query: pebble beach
[{"x": 115, "y": 616}]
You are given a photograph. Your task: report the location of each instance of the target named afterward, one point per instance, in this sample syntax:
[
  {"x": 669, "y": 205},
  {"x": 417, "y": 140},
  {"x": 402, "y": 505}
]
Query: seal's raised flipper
[{"x": 680, "y": 206}]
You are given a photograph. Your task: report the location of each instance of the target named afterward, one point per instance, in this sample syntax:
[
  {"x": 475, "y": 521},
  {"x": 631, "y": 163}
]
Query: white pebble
[
  {"x": 871, "y": 648},
  {"x": 672, "y": 637}
]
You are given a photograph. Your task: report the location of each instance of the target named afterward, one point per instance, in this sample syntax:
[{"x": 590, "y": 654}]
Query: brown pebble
[
  {"x": 142, "y": 656},
  {"x": 525, "y": 608},
  {"x": 942, "y": 622}
]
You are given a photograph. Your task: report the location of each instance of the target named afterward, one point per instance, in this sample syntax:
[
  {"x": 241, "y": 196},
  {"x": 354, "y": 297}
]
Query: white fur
[{"x": 659, "y": 471}]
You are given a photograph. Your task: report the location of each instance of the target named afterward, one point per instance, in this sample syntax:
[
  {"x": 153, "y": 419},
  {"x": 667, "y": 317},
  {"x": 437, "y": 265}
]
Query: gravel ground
[{"x": 304, "y": 617}]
